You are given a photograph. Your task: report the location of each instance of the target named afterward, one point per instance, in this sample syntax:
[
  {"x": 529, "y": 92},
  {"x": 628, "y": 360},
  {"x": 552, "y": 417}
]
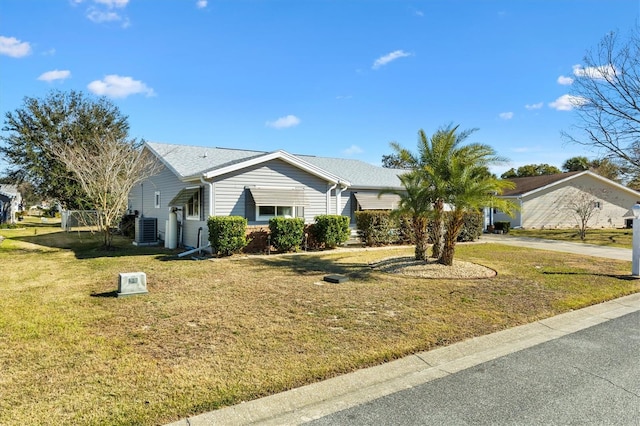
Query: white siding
[
  {"x": 230, "y": 189},
  {"x": 142, "y": 199},
  {"x": 550, "y": 208}
]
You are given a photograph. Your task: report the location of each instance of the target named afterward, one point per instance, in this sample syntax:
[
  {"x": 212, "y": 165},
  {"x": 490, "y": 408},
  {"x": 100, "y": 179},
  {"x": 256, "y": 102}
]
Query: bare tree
[
  {"x": 107, "y": 169},
  {"x": 583, "y": 207},
  {"x": 606, "y": 97}
]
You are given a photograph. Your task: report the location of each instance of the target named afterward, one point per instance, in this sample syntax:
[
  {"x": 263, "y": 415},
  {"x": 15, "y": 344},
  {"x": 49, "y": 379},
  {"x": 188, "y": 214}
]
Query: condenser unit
[{"x": 146, "y": 231}]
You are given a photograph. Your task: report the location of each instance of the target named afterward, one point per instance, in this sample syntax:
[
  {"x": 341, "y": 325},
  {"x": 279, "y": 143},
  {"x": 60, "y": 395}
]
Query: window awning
[
  {"x": 184, "y": 195},
  {"x": 371, "y": 201},
  {"x": 278, "y": 197}
]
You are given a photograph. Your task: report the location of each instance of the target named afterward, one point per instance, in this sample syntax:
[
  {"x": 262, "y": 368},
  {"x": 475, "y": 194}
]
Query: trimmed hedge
[
  {"x": 331, "y": 230},
  {"x": 376, "y": 227},
  {"x": 287, "y": 233},
  {"x": 380, "y": 227},
  {"x": 227, "y": 234},
  {"x": 472, "y": 227}
]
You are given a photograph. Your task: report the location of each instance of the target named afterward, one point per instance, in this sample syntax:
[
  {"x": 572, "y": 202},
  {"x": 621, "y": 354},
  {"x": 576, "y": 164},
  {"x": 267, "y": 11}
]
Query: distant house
[
  {"x": 10, "y": 203},
  {"x": 198, "y": 182},
  {"x": 547, "y": 201}
]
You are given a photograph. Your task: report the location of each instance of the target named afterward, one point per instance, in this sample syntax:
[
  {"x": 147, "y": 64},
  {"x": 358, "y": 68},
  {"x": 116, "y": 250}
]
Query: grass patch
[
  {"x": 602, "y": 237},
  {"x": 217, "y": 332}
]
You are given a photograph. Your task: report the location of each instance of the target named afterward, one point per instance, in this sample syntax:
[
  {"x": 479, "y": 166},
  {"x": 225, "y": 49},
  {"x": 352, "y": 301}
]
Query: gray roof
[
  {"x": 190, "y": 161},
  {"x": 359, "y": 173},
  {"x": 8, "y": 190}
]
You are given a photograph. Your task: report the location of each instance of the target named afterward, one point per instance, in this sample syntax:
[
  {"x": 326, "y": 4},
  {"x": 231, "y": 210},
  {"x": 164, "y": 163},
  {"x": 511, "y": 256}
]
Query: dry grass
[
  {"x": 216, "y": 332},
  {"x": 602, "y": 237}
]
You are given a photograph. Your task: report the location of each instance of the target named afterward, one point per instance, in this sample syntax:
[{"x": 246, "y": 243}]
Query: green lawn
[
  {"x": 217, "y": 332},
  {"x": 601, "y": 237}
]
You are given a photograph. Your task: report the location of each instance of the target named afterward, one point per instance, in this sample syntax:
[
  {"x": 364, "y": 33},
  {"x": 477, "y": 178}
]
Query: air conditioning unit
[{"x": 146, "y": 231}]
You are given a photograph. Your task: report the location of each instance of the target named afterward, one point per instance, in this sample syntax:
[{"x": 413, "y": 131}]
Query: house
[
  {"x": 197, "y": 182},
  {"x": 10, "y": 203},
  {"x": 550, "y": 201}
]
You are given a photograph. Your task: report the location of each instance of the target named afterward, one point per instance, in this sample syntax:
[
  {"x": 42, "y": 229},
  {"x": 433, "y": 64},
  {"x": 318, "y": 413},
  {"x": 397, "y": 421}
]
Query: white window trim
[
  {"x": 197, "y": 207},
  {"x": 157, "y": 199},
  {"x": 267, "y": 217}
]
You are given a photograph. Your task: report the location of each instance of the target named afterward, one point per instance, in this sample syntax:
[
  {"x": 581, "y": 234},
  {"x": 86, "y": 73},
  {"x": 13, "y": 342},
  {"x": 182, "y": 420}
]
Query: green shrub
[
  {"x": 227, "y": 234},
  {"x": 331, "y": 230},
  {"x": 377, "y": 227},
  {"x": 287, "y": 233},
  {"x": 472, "y": 227},
  {"x": 502, "y": 226}
]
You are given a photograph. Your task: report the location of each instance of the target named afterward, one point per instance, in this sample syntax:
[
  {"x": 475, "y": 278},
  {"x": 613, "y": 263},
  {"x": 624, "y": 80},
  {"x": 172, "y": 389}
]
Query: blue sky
[{"x": 321, "y": 77}]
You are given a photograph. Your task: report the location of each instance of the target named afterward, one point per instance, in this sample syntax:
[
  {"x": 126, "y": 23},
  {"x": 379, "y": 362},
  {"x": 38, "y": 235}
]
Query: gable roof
[
  {"x": 193, "y": 162},
  {"x": 532, "y": 184},
  {"x": 527, "y": 184}
]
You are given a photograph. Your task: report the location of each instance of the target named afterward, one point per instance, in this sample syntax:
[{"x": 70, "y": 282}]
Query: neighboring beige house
[{"x": 550, "y": 201}]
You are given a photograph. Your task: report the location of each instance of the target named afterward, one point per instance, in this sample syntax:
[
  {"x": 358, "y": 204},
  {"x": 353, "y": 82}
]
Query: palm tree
[
  {"x": 456, "y": 175},
  {"x": 470, "y": 188},
  {"x": 432, "y": 161},
  {"x": 414, "y": 202}
]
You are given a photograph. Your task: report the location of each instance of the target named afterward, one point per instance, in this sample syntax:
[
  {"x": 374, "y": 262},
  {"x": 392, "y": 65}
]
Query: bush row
[
  {"x": 228, "y": 234},
  {"x": 380, "y": 227}
]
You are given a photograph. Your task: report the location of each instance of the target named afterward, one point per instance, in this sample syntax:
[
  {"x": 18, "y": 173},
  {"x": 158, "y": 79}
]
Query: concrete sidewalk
[
  {"x": 317, "y": 400},
  {"x": 561, "y": 246}
]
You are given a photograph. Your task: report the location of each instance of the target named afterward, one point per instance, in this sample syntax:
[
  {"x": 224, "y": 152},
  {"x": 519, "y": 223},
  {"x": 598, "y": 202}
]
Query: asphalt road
[{"x": 588, "y": 377}]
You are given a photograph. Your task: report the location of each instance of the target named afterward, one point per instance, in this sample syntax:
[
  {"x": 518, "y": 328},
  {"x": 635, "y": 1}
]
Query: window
[
  {"x": 157, "y": 199},
  {"x": 267, "y": 212},
  {"x": 192, "y": 207}
]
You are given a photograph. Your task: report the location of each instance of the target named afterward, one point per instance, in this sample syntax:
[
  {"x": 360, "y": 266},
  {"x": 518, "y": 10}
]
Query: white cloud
[
  {"x": 284, "y": 122},
  {"x": 116, "y": 86},
  {"x": 201, "y": 4},
  {"x": 50, "y": 76},
  {"x": 99, "y": 16},
  {"x": 113, "y": 3},
  {"x": 49, "y": 52},
  {"x": 506, "y": 115},
  {"x": 534, "y": 106},
  {"x": 567, "y": 102},
  {"x": 598, "y": 73},
  {"x": 384, "y": 60},
  {"x": 104, "y": 11},
  {"x": 565, "y": 81},
  {"x": 13, "y": 47},
  {"x": 353, "y": 149}
]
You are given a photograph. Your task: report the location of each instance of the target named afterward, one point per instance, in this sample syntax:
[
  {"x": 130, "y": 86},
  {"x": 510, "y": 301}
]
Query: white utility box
[{"x": 131, "y": 283}]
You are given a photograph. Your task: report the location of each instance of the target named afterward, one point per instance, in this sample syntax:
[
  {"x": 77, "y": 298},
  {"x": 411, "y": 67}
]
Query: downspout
[
  {"x": 339, "y": 190},
  {"x": 211, "y": 201},
  {"x": 520, "y": 200},
  {"x": 329, "y": 197}
]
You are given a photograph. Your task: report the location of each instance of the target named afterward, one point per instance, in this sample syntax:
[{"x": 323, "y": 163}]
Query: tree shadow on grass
[
  {"x": 623, "y": 277},
  {"x": 89, "y": 245},
  {"x": 313, "y": 264}
]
